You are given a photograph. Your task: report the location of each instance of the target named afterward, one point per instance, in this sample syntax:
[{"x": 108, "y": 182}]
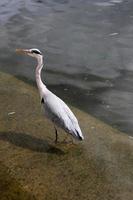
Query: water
[{"x": 88, "y": 51}]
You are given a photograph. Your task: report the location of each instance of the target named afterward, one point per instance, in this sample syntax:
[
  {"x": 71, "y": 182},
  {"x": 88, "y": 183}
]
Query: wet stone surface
[{"x": 33, "y": 167}]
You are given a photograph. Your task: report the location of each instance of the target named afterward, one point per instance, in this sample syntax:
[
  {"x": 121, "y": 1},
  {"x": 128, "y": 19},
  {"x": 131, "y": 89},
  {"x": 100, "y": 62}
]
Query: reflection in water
[{"x": 87, "y": 49}]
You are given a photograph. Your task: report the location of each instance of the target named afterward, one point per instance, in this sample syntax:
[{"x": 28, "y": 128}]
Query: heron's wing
[
  {"x": 55, "y": 109},
  {"x": 60, "y": 113}
]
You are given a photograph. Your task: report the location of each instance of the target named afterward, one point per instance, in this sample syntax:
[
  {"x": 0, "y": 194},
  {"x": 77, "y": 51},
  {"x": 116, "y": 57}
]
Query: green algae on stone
[
  {"x": 100, "y": 168},
  {"x": 10, "y": 189}
]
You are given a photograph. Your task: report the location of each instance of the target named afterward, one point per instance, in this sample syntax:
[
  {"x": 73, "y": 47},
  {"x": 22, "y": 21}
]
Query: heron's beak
[{"x": 23, "y": 51}]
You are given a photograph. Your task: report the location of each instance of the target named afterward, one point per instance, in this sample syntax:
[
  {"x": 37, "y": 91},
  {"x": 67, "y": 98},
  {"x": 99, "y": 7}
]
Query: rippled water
[{"x": 88, "y": 51}]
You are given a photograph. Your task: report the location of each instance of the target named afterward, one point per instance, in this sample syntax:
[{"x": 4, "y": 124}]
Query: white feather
[{"x": 57, "y": 111}]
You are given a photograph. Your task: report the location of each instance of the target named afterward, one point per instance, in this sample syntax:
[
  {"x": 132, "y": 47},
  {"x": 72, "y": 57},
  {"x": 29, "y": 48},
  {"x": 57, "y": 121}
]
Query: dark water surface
[{"x": 88, "y": 51}]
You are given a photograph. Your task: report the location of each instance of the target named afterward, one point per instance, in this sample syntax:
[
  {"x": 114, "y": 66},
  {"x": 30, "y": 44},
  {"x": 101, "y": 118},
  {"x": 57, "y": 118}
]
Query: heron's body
[
  {"x": 60, "y": 114},
  {"x": 54, "y": 108}
]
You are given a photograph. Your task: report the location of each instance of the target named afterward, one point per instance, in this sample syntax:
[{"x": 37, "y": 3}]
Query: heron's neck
[{"x": 40, "y": 84}]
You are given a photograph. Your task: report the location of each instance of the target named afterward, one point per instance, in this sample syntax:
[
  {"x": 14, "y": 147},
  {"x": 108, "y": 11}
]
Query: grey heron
[{"x": 55, "y": 109}]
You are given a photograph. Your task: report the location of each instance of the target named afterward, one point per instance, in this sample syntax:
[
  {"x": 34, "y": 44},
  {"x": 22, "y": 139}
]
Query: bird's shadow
[{"x": 30, "y": 142}]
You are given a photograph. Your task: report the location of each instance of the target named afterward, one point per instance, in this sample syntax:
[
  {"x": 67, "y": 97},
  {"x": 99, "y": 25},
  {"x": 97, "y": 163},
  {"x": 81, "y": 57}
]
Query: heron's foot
[{"x": 56, "y": 141}]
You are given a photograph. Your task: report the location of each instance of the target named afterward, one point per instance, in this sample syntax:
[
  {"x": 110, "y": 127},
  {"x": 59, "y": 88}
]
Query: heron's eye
[{"x": 35, "y": 51}]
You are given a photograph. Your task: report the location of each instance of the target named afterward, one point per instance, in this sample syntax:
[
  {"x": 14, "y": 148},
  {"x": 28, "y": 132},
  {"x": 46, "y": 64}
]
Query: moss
[
  {"x": 98, "y": 168},
  {"x": 10, "y": 189}
]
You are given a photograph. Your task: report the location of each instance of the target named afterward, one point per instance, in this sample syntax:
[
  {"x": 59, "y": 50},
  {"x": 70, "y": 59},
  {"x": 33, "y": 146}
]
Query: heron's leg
[{"x": 56, "y": 135}]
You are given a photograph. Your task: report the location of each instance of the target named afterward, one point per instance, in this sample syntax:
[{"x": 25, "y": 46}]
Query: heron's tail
[
  {"x": 79, "y": 135},
  {"x": 75, "y": 131}
]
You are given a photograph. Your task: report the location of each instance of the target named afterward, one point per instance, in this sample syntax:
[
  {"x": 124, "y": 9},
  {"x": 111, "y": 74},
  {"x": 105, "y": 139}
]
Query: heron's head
[{"x": 30, "y": 52}]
